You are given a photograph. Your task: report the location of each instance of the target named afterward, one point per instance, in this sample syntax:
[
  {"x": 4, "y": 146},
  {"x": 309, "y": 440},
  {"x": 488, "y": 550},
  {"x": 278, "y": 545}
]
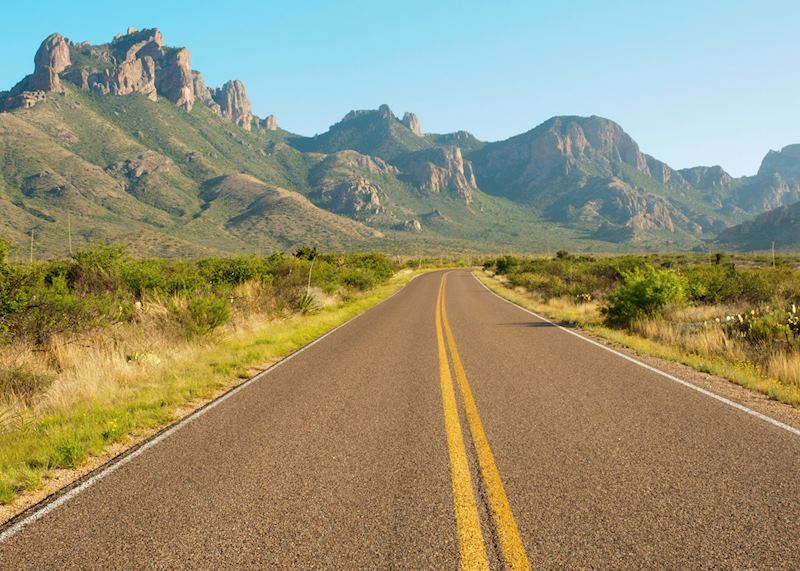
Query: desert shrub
[
  {"x": 232, "y": 271},
  {"x": 360, "y": 279},
  {"x": 505, "y": 264},
  {"x": 307, "y": 303},
  {"x": 378, "y": 264},
  {"x": 12, "y": 295},
  {"x": 306, "y": 253},
  {"x": 97, "y": 269},
  {"x": 51, "y": 308},
  {"x": 644, "y": 292},
  {"x": 143, "y": 277},
  {"x": 758, "y": 326},
  {"x": 204, "y": 313}
]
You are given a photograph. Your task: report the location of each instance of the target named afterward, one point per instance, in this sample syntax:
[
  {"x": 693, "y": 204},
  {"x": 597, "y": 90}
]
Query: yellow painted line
[
  {"x": 472, "y": 552},
  {"x": 511, "y": 546}
]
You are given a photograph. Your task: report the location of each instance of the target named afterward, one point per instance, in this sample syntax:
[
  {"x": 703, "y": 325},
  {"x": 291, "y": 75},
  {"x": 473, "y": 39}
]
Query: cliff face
[
  {"x": 343, "y": 183},
  {"x": 137, "y": 62},
  {"x": 234, "y": 103},
  {"x": 440, "y": 169}
]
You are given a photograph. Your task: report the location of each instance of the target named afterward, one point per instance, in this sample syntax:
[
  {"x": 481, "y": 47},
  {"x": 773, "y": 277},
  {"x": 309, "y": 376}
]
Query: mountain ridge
[{"x": 127, "y": 135}]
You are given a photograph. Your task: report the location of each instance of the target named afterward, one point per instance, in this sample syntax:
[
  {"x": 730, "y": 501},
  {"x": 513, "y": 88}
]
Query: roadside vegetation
[
  {"x": 735, "y": 316},
  {"x": 102, "y": 346}
]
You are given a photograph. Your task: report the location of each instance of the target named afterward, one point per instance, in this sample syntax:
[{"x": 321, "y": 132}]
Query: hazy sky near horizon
[{"x": 693, "y": 82}]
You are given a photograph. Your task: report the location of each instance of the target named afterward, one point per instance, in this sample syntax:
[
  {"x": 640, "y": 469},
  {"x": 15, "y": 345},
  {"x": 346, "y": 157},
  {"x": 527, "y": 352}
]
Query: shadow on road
[{"x": 535, "y": 324}]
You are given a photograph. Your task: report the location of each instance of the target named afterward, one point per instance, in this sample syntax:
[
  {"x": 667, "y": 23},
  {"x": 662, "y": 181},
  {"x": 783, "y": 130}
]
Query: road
[{"x": 443, "y": 429}]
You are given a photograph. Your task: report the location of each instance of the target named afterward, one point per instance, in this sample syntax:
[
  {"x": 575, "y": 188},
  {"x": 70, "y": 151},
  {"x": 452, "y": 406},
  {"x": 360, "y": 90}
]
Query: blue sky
[{"x": 702, "y": 82}]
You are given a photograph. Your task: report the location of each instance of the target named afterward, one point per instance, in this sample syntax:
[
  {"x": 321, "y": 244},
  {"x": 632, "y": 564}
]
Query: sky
[{"x": 698, "y": 82}]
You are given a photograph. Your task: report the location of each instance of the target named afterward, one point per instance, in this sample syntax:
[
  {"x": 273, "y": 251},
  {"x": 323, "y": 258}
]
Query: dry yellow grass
[{"x": 785, "y": 366}]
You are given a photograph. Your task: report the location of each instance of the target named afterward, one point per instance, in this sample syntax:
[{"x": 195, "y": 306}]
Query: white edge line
[
  {"x": 114, "y": 466},
  {"x": 644, "y": 365}
]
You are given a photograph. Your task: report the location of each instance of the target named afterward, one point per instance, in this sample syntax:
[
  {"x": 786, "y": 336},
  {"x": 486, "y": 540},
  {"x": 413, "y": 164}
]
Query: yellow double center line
[{"x": 472, "y": 548}]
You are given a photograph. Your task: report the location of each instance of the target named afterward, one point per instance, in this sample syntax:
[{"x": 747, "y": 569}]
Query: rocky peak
[
  {"x": 271, "y": 123},
  {"x": 51, "y": 59},
  {"x": 138, "y": 43},
  {"x": 592, "y": 139},
  {"x": 234, "y": 104},
  {"x": 411, "y": 121},
  {"x": 707, "y": 177},
  {"x": 136, "y": 62},
  {"x": 567, "y": 149},
  {"x": 53, "y": 53},
  {"x": 385, "y": 112},
  {"x": 785, "y": 162}
]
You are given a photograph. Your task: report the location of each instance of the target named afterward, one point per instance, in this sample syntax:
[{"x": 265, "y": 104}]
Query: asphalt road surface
[{"x": 443, "y": 429}]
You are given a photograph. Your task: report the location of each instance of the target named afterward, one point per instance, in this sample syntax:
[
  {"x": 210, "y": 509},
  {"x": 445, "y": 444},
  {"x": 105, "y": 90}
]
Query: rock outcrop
[
  {"x": 270, "y": 123},
  {"x": 354, "y": 161},
  {"x": 342, "y": 183},
  {"x": 411, "y": 121},
  {"x": 354, "y": 197},
  {"x": 50, "y": 60},
  {"x": 174, "y": 81},
  {"x": 412, "y": 225},
  {"x": 234, "y": 104},
  {"x": 137, "y": 62},
  {"x": 615, "y": 204},
  {"x": 440, "y": 169},
  {"x": 785, "y": 162}
]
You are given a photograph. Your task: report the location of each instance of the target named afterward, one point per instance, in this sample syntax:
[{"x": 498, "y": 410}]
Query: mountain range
[{"x": 125, "y": 142}]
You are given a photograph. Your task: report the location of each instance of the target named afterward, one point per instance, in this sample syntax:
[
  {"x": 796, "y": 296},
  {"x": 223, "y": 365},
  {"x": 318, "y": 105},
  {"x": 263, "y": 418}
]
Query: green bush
[
  {"x": 232, "y": 271},
  {"x": 505, "y": 264},
  {"x": 12, "y": 295},
  {"x": 97, "y": 269},
  {"x": 644, "y": 292},
  {"x": 99, "y": 286},
  {"x": 360, "y": 279},
  {"x": 205, "y": 313}
]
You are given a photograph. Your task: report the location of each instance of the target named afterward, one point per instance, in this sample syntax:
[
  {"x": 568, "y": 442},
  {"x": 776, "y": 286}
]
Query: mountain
[
  {"x": 776, "y": 184},
  {"x": 780, "y": 226},
  {"x": 370, "y": 132},
  {"x": 125, "y": 142},
  {"x": 588, "y": 172}
]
